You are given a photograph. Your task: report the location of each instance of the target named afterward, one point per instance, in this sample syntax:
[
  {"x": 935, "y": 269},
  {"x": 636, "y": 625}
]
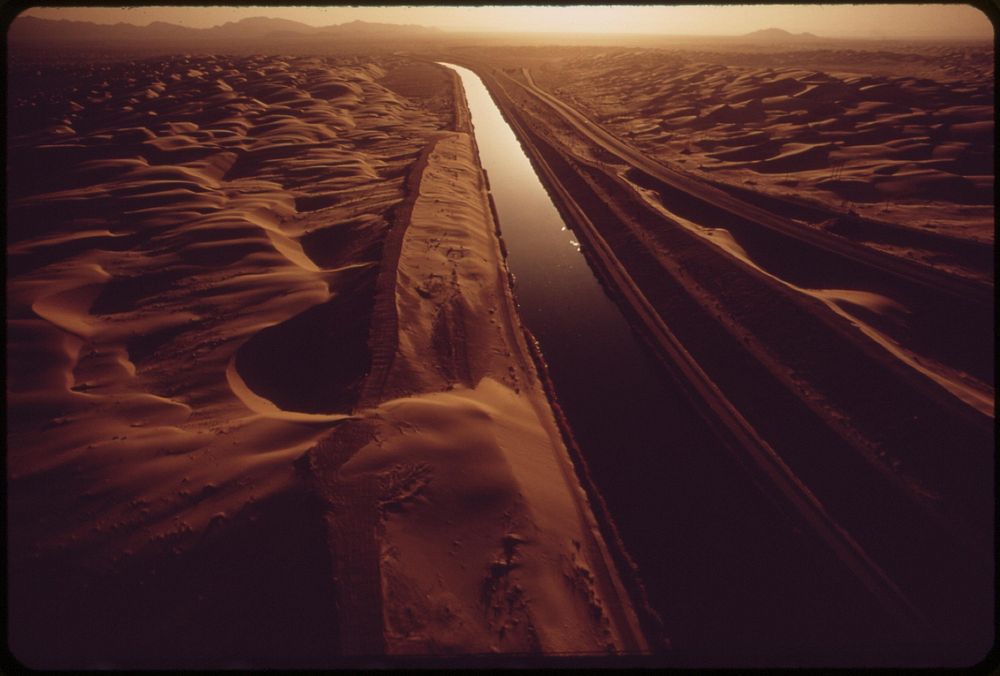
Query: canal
[{"x": 732, "y": 580}]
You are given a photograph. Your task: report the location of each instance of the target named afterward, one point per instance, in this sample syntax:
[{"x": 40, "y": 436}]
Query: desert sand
[
  {"x": 271, "y": 402},
  {"x": 901, "y": 137},
  {"x": 262, "y": 345}
]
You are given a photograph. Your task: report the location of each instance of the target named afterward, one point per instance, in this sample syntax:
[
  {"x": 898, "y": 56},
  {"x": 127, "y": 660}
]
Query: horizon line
[{"x": 495, "y": 31}]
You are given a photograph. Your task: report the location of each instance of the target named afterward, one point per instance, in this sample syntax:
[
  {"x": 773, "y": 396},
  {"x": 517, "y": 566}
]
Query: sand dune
[
  {"x": 163, "y": 248},
  {"x": 905, "y": 139},
  {"x": 205, "y": 306}
]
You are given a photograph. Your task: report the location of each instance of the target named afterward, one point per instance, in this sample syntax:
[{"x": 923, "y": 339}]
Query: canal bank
[
  {"x": 733, "y": 577},
  {"x": 484, "y": 541}
]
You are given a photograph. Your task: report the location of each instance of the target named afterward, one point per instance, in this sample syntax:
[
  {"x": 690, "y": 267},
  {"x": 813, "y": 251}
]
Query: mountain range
[
  {"x": 777, "y": 35},
  {"x": 34, "y": 29},
  {"x": 265, "y": 31}
]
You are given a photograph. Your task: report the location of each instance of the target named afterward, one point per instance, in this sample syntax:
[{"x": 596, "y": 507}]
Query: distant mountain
[
  {"x": 365, "y": 28},
  {"x": 258, "y": 27},
  {"x": 48, "y": 30},
  {"x": 33, "y": 29},
  {"x": 777, "y": 35},
  {"x": 161, "y": 29}
]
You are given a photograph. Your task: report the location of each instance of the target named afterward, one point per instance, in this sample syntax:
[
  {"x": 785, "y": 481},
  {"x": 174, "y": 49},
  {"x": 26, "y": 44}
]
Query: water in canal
[{"x": 731, "y": 580}]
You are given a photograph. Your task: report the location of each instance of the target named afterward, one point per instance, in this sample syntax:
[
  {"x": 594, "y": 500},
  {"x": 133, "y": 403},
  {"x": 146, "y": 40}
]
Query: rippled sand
[
  {"x": 268, "y": 397},
  {"x": 901, "y": 135}
]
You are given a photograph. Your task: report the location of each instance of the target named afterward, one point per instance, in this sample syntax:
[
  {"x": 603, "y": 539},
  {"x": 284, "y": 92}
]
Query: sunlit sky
[{"x": 824, "y": 20}]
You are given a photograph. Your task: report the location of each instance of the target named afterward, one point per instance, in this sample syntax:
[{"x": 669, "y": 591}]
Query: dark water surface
[{"x": 732, "y": 581}]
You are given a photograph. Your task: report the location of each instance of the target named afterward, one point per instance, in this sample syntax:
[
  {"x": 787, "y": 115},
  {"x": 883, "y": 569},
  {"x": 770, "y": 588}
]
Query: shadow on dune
[
  {"x": 316, "y": 361},
  {"x": 358, "y": 239},
  {"x": 257, "y": 593}
]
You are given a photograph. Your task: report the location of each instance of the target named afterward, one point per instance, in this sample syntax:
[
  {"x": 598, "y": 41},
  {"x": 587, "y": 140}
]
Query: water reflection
[
  {"x": 560, "y": 299},
  {"x": 686, "y": 512},
  {"x": 633, "y": 425}
]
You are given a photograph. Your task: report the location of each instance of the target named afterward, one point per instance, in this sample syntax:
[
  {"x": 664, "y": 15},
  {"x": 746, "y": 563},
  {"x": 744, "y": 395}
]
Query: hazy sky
[{"x": 825, "y": 20}]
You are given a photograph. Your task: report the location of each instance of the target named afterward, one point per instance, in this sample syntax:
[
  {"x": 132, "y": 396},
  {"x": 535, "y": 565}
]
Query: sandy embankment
[
  {"x": 194, "y": 255},
  {"x": 485, "y": 539}
]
